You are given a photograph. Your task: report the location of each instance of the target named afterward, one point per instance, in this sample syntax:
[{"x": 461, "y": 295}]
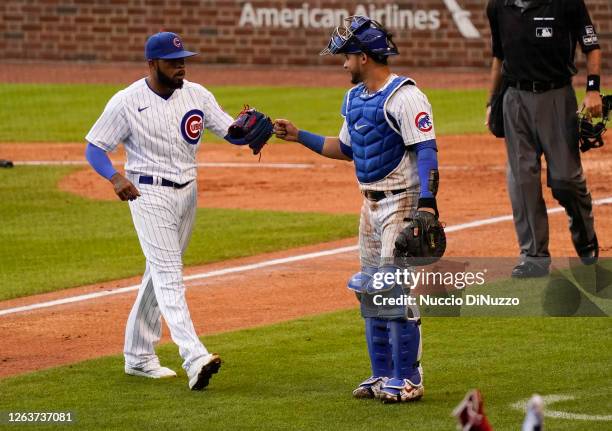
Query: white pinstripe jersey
[
  {"x": 161, "y": 137},
  {"x": 407, "y": 105}
]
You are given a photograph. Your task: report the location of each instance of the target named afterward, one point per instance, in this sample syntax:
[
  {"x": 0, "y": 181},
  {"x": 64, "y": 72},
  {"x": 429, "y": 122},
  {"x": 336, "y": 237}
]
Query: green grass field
[
  {"x": 299, "y": 376},
  {"x": 53, "y": 240},
  {"x": 64, "y": 113}
]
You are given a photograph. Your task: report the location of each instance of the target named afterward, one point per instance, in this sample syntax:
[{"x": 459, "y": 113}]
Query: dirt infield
[
  {"x": 288, "y": 177},
  {"x": 291, "y": 178}
]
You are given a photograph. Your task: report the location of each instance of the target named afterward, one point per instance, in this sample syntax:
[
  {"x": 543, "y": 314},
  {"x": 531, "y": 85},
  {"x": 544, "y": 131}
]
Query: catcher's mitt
[
  {"x": 422, "y": 241},
  {"x": 252, "y": 126}
]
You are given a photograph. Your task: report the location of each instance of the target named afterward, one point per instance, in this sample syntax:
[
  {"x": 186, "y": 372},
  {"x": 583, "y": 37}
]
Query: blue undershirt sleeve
[
  {"x": 427, "y": 160},
  {"x": 98, "y": 159}
]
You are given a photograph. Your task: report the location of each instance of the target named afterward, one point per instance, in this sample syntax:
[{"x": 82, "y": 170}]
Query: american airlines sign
[{"x": 391, "y": 16}]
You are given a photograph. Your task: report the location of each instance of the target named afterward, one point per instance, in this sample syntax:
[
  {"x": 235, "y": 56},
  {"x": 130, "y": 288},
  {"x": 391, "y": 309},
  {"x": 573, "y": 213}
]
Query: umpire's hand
[
  {"x": 592, "y": 103},
  {"x": 124, "y": 188}
]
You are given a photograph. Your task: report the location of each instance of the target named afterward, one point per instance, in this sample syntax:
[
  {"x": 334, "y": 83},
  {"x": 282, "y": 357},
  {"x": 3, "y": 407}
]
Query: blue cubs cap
[{"x": 166, "y": 46}]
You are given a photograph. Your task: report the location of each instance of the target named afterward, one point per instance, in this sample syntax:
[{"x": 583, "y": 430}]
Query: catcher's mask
[
  {"x": 360, "y": 34},
  {"x": 591, "y": 133}
]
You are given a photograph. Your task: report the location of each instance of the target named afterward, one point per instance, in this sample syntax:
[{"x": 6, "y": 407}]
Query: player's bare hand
[
  {"x": 124, "y": 188},
  {"x": 285, "y": 130},
  {"x": 592, "y": 104},
  {"x": 488, "y": 116}
]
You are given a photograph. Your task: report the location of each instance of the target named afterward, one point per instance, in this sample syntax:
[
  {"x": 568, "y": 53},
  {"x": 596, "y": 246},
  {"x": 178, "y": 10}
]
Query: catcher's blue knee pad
[
  {"x": 359, "y": 281},
  {"x": 383, "y": 280},
  {"x": 373, "y": 280},
  {"x": 379, "y": 348},
  {"x": 373, "y": 296}
]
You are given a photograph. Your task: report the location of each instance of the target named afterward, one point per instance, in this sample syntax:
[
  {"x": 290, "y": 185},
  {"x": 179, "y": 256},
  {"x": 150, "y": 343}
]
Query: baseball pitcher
[{"x": 160, "y": 120}]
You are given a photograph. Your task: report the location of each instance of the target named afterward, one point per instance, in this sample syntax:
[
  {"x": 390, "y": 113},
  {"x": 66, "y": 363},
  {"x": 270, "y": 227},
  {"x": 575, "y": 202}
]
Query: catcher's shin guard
[
  {"x": 379, "y": 349},
  {"x": 406, "y": 383},
  {"x": 377, "y": 339}
]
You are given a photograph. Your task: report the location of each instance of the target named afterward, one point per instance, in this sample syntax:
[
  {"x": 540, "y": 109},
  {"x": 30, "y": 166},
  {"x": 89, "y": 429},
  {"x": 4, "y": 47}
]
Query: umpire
[{"x": 534, "y": 43}]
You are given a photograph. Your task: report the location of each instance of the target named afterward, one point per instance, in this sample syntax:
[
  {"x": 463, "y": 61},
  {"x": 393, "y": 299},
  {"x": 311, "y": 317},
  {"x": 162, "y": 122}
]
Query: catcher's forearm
[
  {"x": 326, "y": 146},
  {"x": 334, "y": 148}
]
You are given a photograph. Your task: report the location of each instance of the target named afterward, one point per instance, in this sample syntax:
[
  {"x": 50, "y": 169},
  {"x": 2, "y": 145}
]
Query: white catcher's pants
[{"x": 163, "y": 218}]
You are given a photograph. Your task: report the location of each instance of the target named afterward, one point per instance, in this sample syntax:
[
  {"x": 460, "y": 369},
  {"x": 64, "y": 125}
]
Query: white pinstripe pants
[
  {"x": 163, "y": 218},
  {"x": 380, "y": 224}
]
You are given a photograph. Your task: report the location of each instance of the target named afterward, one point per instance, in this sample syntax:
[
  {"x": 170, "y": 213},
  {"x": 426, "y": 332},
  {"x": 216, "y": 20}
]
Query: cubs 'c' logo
[
  {"x": 191, "y": 126},
  {"x": 423, "y": 122},
  {"x": 177, "y": 42}
]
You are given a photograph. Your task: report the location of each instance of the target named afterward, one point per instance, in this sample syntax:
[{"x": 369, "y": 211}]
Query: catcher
[{"x": 388, "y": 134}]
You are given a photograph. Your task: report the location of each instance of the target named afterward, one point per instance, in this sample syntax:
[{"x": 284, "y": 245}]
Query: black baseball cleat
[
  {"x": 589, "y": 255},
  {"x": 202, "y": 370},
  {"x": 529, "y": 270}
]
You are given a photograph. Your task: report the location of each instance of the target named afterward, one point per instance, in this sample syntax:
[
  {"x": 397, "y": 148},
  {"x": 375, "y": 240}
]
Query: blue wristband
[
  {"x": 312, "y": 141},
  {"x": 98, "y": 159}
]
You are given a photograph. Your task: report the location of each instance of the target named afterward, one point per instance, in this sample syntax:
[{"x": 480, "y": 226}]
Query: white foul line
[
  {"x": 263, "y": 264},
  {"x": 551, "y": 399},
  {"x": 200, "y": 165}
]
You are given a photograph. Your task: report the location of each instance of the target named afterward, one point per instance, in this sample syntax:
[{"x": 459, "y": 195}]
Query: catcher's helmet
[
  {"x": 360, "y": 34},
  {"x": 591, "y": 133}
]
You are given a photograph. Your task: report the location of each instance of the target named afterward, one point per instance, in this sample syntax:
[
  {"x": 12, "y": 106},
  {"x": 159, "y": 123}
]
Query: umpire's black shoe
[
  {"x": 589, "y": 255},
  {"x": 529, "y": 270}
]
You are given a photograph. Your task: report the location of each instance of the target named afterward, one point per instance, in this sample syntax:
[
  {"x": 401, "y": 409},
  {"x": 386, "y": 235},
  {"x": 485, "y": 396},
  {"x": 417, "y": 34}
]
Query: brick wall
[{"x": 115, "y": 30}]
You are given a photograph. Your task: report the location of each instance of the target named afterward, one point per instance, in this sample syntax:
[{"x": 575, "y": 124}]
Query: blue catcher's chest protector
[{"x": 377, "y": 148}]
